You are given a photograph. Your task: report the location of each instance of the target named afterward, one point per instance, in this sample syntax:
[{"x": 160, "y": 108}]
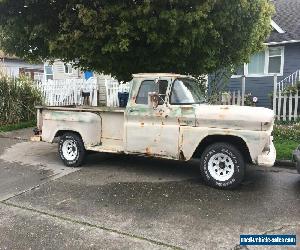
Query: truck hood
[{"x": 234, "y": 117}]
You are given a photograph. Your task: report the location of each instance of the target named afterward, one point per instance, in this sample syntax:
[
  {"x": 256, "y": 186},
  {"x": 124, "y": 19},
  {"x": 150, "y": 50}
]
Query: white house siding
[
  {"x": 58, "y": 68},
  {"x": 12, "y": 66}
]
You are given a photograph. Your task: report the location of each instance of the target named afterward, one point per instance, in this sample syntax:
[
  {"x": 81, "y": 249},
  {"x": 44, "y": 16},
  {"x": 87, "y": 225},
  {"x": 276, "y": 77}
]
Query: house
[
  {"x": 58, "y": 70},
  {"x": 15, "y": 67},
  {"x": 281, "y": 57}
]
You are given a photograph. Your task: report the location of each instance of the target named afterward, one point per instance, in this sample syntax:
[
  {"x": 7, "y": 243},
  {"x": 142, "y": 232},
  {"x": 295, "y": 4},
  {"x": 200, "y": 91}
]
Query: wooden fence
[
  {"x": 286, "y": 104},
  {"x": 93, "y": 92},
  {"x": 234, "y": 97},
  {"x": 113, "y": 87},
  {"x": 68, "y": 92}
]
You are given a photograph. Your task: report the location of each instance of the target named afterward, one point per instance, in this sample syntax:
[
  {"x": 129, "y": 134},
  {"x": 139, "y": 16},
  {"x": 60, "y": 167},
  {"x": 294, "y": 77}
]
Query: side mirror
[{"x": 153, "y": 100}]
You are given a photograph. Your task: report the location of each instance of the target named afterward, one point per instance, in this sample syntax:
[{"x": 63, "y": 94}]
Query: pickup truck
[{"x": 166, "y": 116}]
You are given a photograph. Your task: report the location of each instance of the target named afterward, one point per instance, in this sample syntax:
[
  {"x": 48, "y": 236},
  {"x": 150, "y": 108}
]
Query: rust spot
[
  {"x": 181, "y": 156},
  {"x": 225, "y": 107},
  {"x": 142, "y": 124},
  {"x": 162, "y": 123},
  {"x": 133, "y": 98},
  {"x": 148, "y": 151}
]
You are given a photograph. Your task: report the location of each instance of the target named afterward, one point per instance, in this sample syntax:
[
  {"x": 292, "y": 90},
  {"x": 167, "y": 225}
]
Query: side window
[{"x": 150, "y": 86}]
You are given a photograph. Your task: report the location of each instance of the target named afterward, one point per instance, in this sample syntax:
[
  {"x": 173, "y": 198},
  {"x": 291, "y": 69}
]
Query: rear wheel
[
  {"x": 71, "y": 149},
  {"x": 222, "y": 166}
]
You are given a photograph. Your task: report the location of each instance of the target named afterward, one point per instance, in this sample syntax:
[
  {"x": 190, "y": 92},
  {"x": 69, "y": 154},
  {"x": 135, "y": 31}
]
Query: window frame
[
  {"x": 68, "y": 66},
  {"x": 144, "y": 80},
  {"x": 171, "y": 91},
  {"x": 45, "y": 72},
  {"x": 266, "y": 65}
]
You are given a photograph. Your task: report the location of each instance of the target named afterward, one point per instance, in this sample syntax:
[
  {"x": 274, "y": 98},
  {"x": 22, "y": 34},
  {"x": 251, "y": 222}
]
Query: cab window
[{"x": 148, "y": 86}]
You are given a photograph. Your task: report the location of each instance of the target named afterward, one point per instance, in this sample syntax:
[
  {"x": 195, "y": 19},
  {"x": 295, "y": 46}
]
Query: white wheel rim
[
  {"x": 221, "y": 167},
  {"x": 69, "y": 150}
]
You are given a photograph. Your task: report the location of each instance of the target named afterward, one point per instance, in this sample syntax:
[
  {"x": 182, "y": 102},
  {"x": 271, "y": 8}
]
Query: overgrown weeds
[{"x": 18, "y": 98}]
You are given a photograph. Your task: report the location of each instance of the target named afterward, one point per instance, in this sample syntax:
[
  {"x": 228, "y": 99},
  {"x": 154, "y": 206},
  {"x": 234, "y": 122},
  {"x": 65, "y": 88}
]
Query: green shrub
[
  {"x": 286, "y": 139},
  {"x": 292, "y": 89},
  {"x": 287, "y": 132},
  {"x": 18, "y": 98}
]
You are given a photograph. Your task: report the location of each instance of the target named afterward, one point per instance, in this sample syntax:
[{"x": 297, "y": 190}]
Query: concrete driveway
[{"x": 126, "y": 202}]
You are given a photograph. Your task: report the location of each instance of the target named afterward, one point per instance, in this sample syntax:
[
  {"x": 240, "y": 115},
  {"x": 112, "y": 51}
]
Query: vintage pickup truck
[{"x": 167, "y": 117}]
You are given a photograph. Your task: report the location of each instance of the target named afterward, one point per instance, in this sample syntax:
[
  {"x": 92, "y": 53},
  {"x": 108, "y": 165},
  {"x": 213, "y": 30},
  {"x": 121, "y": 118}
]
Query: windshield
[{"x": 186, "y": 91}]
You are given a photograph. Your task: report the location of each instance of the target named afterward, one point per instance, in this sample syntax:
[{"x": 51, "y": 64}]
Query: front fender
[{"x": 191, "y": 137}]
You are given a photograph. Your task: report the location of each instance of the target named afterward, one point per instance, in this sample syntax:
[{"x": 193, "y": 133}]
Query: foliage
[
  {"x": 285, "y": 148},
  {"x": 18, "y": 98},
  {"x": 217, "y": 83},
  {"x": 125, "y": 37},
  {"x": 249, "y": 99},
  {"x": 229, "y": 95},
  {"x": 292, "y": 89},
  {"x": 286, "y": 139},
  {"x": 11, "y": 127},
  {"x": 287, "y": 132}
]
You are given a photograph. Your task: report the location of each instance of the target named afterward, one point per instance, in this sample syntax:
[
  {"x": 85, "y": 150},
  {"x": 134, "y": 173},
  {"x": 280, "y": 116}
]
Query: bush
[
  {"x": 286, "y": 139},
  {"x": 18, "y": 98},
  {"x": 292, "y": 89},
  {"x": 287, "y": 132}
]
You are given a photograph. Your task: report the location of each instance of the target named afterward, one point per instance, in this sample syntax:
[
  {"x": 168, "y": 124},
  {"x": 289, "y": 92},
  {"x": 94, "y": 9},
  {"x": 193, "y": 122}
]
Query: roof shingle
[{"x": 288, "y": 18}]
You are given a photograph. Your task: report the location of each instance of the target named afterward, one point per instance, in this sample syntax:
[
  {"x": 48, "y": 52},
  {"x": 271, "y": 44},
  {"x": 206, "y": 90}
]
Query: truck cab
[{"x": 167, "y": 117}]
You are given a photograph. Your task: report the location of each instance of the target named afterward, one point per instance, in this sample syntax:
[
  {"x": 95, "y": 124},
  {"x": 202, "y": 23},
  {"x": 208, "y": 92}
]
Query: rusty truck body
[{"x": 166, "y": 116}]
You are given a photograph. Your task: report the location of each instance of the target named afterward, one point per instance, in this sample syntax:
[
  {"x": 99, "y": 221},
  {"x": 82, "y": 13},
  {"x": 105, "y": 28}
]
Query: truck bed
[{"x": 101, "y": 128}]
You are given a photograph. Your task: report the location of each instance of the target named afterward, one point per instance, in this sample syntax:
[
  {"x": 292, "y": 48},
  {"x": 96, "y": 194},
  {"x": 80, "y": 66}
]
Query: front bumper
[{"x": 267, "y": 158}]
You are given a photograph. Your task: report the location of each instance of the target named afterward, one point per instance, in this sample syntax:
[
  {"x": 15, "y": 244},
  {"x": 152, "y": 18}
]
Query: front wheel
[
  {"x": 222, "y": 166},
  {"x": 71, "y": 149}
]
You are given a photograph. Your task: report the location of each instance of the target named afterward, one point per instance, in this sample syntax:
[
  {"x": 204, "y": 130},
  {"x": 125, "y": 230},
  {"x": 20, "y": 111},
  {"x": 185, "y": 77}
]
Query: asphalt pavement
[{"x": 129, "y": 202}]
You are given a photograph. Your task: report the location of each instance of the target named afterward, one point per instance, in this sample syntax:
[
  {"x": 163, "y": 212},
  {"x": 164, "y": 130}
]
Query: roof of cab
[{"x": 144, "y": 75}]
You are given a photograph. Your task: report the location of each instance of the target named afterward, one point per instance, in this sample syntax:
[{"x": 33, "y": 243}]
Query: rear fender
[{"x": 86, "y": 124}]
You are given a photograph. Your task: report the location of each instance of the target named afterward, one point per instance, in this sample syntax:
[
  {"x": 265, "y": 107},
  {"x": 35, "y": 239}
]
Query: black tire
[
  {"x": 222, "y": 166},
  {"x": 77, "y": 156}
]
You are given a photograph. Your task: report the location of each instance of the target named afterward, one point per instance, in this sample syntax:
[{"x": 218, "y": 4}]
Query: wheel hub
[
  {"x": 221, "y": 167},
  {"x": 69, "y": 150}
]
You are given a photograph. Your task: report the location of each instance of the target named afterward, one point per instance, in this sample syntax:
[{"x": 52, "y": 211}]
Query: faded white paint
[{"x": 168, "y": 131}]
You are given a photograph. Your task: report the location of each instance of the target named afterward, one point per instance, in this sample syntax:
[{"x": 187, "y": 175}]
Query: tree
[{"x": 129, "y": 36}]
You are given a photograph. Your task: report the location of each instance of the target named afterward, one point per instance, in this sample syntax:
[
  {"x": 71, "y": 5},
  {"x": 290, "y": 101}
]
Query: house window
[
  {"x": 68, "y": 69},
  {"x": 49, "y": 72},
  {"x": 267, "y": 62},
  {"x": 257, "y": 64},
  {"x": 275, "y": 60}
]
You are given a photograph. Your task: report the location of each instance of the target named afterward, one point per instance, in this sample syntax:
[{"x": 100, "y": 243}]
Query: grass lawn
[
  {"x": 11, "y": 127},
  {"x": 285, "y": 148}
]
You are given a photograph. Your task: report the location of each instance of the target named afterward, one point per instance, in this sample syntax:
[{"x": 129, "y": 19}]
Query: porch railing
[
  {"x": 286, "y": 103},
  {"x": 292, "y": 79}
]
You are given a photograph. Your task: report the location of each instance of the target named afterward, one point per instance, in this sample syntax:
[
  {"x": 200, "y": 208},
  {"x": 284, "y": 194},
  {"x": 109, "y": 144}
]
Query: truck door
[{"x": 152, "y": 131}]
